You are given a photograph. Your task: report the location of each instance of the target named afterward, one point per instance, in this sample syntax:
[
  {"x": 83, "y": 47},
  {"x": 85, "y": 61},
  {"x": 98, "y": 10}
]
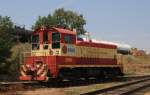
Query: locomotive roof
[{"x": 60, "y": 30}]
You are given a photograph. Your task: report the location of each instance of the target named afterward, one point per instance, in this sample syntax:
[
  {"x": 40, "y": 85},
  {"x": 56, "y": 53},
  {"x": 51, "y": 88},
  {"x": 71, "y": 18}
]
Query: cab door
[{"x": 56, "y": 43}]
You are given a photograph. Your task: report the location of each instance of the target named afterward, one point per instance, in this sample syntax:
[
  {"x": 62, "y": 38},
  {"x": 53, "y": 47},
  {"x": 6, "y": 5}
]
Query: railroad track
[
  {"x": 123, "y": 89},
  {"x": 34, "y": 82},
  {"x": 29, "y": 85},
  {"x": 124, "y": 78},
  {"x": 20, "y": 82},
  {"x": 24, "y": 83},
  {"x": 10, "y": 87}
]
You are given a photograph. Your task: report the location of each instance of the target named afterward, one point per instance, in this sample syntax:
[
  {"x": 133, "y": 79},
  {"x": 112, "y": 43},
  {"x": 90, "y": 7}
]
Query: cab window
[
  {"x": 68, "y": 39},
  {"x": 45, "y": 37},
  {"x": 55, "y": 40},
  {"x": 45, "y": 40},
  {"x": 35, "y": 42}
]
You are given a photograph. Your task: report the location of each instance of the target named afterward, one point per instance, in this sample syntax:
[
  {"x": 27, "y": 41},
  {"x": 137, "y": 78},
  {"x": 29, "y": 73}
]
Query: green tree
[
  {"x": 66, "y": 18},
  {"x": 6, "y": 41},
  {"x": 45, "y": 21}
]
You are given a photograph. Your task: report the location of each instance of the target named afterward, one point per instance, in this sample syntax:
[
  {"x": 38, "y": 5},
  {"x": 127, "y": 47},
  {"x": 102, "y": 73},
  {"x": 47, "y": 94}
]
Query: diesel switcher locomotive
[{"x": 60, "y": 53}]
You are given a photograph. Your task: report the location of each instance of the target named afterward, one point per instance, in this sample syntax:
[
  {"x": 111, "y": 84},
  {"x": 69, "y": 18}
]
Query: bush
[{"x": 15, "y": 56}]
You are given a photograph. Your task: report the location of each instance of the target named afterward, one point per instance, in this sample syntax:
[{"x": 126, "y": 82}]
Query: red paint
[
  {"x": 52, "y": 66},
  {"x": 54, "y": 61},
  {"x": 66, "y": 31},
  {"x": 61, "y": 60},
  {"x": 25, "y": 78},
  {"x": 50, "y": 37},
  {"x": 54, "y": 29},
  {"x": 98, "y": 45},
  {"x": 40, "y": 78}
]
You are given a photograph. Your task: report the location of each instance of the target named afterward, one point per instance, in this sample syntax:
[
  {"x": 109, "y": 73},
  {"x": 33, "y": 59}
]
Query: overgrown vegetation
[
  {"x": 10, "y": 48},
  {"x": 136, "y": 64},
  {"x": 6, "y": 43}
]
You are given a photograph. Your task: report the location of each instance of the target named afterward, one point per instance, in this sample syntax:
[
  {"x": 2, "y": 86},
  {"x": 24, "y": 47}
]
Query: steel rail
[{"x": 114, "y": 89}]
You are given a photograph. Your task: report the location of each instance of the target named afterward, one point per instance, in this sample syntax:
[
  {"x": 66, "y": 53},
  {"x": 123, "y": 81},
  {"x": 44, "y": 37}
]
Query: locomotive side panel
[{"x": 88, "y": 55}]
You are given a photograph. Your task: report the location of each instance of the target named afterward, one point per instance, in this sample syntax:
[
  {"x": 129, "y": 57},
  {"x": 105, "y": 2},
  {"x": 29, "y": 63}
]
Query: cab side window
[
  {"x": 45, "y": 40},
  {"x": 35, "y": 42},
  {"x": 55, "y": 40},
  {"x": 45, "y": 37},
  {"x": 68, "y": 39}
]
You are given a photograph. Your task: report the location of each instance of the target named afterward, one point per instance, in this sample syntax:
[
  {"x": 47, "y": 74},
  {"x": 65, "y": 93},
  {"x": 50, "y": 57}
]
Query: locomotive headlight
[
  {"x": 37, "y": 65},
  {"x": 45, "y": 64},
  {"x": 28, "y": 65}
]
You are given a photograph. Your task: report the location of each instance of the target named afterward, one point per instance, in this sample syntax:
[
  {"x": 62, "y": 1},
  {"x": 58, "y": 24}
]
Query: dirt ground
[
  {"x": 44, "y": 91},
  {"x": 148, "y": 93}
]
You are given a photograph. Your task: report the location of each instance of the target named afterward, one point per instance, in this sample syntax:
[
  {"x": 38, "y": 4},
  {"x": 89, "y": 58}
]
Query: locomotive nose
[
  {"x": 34, "y": 71},
  {"x": 31, "y": 69}
]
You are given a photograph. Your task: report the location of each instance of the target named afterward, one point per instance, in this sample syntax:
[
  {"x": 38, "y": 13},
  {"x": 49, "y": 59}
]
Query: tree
[
  {"x": 6, "y": 40},
  {"x": 45, "y": 21},
  {"x": 66, "y": 18}
]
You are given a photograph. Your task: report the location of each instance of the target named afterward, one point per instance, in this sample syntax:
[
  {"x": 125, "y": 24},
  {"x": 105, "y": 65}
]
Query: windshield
[
  {"x": 35, "y": 42},
  {"x": 55, "y": 37},
  {"x": 35, "y": 39},
  {"x": 55, "y": 40}
]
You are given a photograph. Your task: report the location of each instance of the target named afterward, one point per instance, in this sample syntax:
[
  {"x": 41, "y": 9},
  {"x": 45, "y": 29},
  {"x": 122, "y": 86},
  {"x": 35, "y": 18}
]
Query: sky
[{"x": 123, "y": 21}]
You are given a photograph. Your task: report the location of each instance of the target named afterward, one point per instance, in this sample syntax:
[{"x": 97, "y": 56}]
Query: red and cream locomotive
[{"x": 58, "y": 53}]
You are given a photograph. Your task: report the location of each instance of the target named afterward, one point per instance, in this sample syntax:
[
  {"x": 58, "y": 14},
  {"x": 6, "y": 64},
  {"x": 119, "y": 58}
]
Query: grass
[{"x": 136, "y": 64}]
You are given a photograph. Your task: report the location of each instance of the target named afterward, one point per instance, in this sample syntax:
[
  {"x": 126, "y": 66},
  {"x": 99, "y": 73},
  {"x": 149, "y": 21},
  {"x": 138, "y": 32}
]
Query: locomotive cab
[
  {"x": 40, "y": 43},
  {"x": 52, "y": 42}
]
